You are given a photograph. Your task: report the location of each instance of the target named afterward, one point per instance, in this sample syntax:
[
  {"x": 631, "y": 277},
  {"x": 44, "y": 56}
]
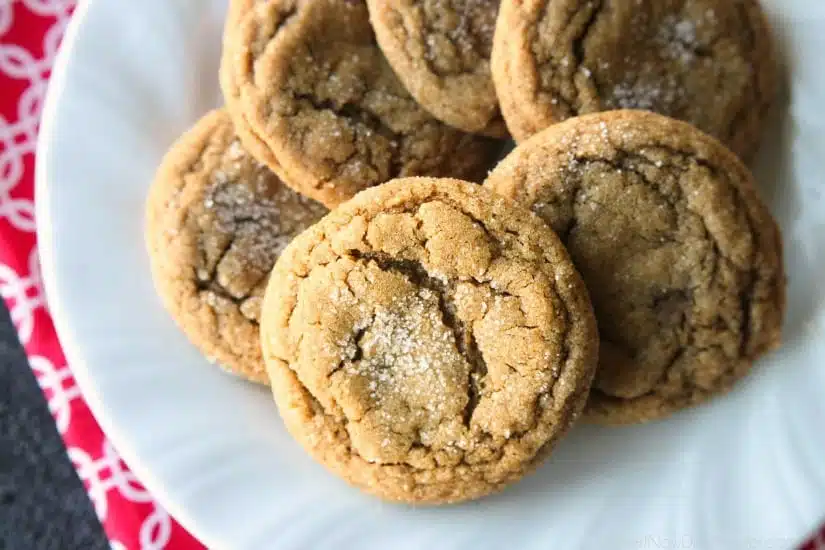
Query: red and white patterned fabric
[{"x": 30, "y": 31}]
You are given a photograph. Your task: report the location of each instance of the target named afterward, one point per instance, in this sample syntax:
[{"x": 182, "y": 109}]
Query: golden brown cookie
[
  {"x": 257, "y": 148},
  {"x": 216, "y": 222},
  {"x": 427, "y": 341},
  {"x": 441, "y": 52},
  {"x": 307, "y": 84},
  {"x": 682, "y": 259},
  {"x": 707, "y": 62}
]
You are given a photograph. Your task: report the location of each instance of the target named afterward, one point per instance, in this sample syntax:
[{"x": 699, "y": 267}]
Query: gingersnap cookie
[
  {"x": 254, "y": 146},
  {"x": 427, "y": 341},
  {"x": 682, "y": 259},
  {"x": 707, "y": 62},
  {"x": 216, "y": 222},
  {"x": 308, "y": 81},
  {"x": 441, "y": 52}
]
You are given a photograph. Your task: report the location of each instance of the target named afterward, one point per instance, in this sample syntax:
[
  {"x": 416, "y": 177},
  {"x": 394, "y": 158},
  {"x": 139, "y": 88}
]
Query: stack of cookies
[{"x": 427, "y": 338}]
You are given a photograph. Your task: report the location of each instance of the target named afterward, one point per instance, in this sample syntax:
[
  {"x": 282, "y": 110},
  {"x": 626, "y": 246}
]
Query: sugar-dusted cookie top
[
  {"x": 440, "y": 49},
  {"x": 707, "y": 62},
  {"x": 308, "y": 87},
  {"x": 427, "y": 341},
  {"x": 216, "y": 222},
  {"x": 682, "y": 259}
]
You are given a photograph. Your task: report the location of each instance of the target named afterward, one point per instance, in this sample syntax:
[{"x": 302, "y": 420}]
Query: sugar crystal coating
[{"x": 427, "y": 341}]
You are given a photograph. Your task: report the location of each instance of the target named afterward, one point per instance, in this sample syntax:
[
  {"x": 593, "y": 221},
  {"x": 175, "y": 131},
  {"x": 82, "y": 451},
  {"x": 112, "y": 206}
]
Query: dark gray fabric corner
[{"x": 43, "y": 505}]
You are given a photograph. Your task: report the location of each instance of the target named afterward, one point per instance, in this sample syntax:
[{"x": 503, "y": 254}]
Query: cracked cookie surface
[
  {"x": 707, "y": 62},
  {"x": 441, "y": 52},
  {"x": 312, "y": 92},
  {"x": 216, "y": 222},
  {"x": 682, "y": 259},
  {"x": 427, "y": 341}
]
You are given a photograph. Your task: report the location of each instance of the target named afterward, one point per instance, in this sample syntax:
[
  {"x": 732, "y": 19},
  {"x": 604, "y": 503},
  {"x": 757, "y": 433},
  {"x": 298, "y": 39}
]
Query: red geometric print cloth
[{"x": 30, "y": 31}]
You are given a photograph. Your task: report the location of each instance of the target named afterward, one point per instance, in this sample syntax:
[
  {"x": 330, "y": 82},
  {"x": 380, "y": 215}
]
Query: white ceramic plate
[{"x": 745, "y": 471}]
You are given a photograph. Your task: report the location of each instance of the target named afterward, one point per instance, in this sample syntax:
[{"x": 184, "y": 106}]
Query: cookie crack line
[
  {"x": 547, "y": 410},
  {"x": 623, "y": 162},
  {"x": 464, "y": 337},
  {"x": 221, "y": 292},
  {"x": 620, "y": 163},
  {"x": 285, "y": 16},
  {"x": 746, "y": 297},
  {"x": 430, "y": 31},
  {"x": 210, "y": 283},
  {"x": 570, "y": 69},
  {"x": 572, "y": 105},
  {"x": 374, "y": 123},
  {"x": 578, "y": 44},
  {"x": 351, "y": 112},
  {"x": 359, "y": 350}
]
